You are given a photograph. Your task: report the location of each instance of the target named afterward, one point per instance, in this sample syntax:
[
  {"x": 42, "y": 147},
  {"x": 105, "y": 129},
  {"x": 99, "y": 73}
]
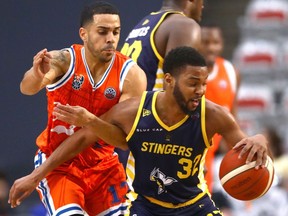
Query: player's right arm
[
  {"x": 68, "y": 149},
  {"x": 120, "y": 117},
  {"x": 220, "y": 120},
  {"x": 47, "y": 68},
  {"x": 73, "y": 145},
  {"x": 117, "y": 121}
]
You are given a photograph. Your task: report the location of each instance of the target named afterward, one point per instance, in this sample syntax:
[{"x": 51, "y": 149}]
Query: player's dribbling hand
[
  {"x": 21, "y": 189},
  {"x": 256, "y": 146}
]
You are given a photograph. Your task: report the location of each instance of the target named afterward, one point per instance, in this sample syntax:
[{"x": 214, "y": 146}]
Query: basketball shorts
[
  {"x": 98, "y": 190},
  {"x": 203, "y": 207}
]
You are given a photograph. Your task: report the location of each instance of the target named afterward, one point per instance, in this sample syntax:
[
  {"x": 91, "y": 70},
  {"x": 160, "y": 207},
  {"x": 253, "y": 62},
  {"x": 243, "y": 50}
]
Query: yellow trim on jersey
[
  {"x": 130, "y": 167},
  {"x": 171, "y": 205},
  {"x": 161, "y": 59},
  {"x": 203, "y": 122},
  {"x": 137, "y": 116},
  {"x": 160, "y": 75},
  {"x": 157, "y": 118},
  {"x": 130, "y": 172},
  {"x": 202, "y": 181}
]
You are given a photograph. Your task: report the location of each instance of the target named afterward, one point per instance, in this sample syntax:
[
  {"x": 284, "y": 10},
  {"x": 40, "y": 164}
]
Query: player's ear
[
  {"x": 83, "y": 34},
  {"x": 168, "y": 80}
]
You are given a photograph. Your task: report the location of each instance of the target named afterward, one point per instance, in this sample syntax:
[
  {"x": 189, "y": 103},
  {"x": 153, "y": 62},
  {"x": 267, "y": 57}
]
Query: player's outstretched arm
[
  {"x": 219, "y": 120},
  {"x": 112, "y": 127},
  {"x": 79, "y": 116},
  {"x": 121, "y": 117},
  {"x": 21, "y": 189},
  {"x": 73, "y": 145}
]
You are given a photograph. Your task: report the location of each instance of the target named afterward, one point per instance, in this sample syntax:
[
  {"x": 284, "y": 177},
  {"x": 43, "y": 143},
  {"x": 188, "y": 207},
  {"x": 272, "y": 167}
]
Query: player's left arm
[
  {"x": 219, "y": 120},
  {"x": 135, "y": 83},
  {"x": 124, "y": 114}
]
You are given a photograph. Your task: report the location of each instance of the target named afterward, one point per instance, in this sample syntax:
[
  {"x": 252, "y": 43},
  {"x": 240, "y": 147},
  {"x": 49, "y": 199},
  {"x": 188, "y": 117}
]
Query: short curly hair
[{"x": 180, "y": 57}]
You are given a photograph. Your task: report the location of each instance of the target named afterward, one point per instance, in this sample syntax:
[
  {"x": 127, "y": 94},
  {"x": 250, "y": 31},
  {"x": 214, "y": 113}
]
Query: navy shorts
[{"x": 203, "y": 207}]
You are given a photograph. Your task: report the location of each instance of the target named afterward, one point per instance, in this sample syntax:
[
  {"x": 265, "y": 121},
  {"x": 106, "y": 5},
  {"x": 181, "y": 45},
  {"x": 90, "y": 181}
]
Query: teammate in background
[
  {"x": 175, "y": 24},
  {"x": 168, "y": 133},
  {"x": 93, "y": 75},
  {"x": 222, "y": 85}
]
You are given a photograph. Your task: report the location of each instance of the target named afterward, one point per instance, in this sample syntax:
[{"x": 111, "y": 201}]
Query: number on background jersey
[{"x": 133, "y": 50}]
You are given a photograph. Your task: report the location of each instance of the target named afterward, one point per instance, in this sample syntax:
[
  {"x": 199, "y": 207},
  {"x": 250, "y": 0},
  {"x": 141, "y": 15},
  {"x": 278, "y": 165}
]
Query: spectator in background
[{"x": 4, "y": 191}]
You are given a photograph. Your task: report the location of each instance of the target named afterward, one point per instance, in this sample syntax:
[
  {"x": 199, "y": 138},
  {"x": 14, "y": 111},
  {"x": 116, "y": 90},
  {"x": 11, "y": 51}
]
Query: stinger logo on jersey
[
  {"x": 77, "y": 82},
  {"x": 110, "y": 93},
  {"x": 146, "y": 112},
  {"x": 161, "y": 179}
]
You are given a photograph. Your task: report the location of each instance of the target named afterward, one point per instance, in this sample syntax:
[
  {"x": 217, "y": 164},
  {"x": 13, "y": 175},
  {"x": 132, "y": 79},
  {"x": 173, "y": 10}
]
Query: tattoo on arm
[
  {"x": 60, "y": 62},
  {"x": 59, "y": 58}
]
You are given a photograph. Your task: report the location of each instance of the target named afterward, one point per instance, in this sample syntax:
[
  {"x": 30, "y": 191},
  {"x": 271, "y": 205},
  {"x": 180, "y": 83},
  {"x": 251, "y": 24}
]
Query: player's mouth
[
  {"x": 195, "y": 102},
  {"x": 109, "y": 50}
]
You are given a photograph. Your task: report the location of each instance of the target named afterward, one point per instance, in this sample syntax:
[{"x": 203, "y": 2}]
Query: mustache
[
  {"x": 193, "y": 99},
  {"x": 109, "y": 48}
]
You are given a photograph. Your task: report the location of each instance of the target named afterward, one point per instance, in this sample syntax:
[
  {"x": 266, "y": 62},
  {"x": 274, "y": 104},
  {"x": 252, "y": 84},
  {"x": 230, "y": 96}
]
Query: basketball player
[
  {"x": 222, "y": 84},
  {"x": 175, "y": 24},
  {"x": 168, "y": 133},
  {"x": 93, "y": 75}
]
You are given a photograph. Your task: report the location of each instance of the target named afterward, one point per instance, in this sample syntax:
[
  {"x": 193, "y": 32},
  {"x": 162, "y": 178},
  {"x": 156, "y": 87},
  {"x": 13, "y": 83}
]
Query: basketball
[{"x": 242, "y": 181}]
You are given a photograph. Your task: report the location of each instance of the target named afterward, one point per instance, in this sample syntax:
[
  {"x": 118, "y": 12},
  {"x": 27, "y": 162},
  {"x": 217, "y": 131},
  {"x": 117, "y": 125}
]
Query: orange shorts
[{"x": 98, "y": 190}]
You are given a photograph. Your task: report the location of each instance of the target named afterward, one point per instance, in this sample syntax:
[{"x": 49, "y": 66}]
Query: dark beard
[{"x": 181, "y": 100}]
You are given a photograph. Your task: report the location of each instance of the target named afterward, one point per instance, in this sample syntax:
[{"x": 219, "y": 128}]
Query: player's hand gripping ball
[{"x": 242, "y": 181}]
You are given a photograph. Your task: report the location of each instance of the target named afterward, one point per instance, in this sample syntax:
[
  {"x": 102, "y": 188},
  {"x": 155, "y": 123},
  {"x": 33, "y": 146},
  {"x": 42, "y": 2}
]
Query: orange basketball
[{"x": 242, "y": 181}]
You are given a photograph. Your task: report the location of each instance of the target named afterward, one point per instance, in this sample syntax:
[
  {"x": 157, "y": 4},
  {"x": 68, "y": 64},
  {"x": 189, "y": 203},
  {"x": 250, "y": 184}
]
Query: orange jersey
[
  {"x": 77, "y": 87},
  {"x": 222, "y": 84},
  {"x": 221, "y": 89}
]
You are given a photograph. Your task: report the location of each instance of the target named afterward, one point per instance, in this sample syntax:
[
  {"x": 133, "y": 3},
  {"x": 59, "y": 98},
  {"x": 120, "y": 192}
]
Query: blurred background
[{"x": 255, "y": 33}]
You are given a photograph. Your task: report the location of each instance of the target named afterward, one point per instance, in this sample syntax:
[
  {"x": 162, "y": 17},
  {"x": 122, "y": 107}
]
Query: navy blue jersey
[
  {"x": 140, "y": 46},
  {"x": 166, "y": 163}
]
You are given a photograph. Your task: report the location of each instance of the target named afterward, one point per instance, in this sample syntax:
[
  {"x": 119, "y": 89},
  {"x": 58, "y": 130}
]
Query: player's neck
[
  {"x": 168, "y": 8},
  {"x": 97, "y": 68},
  {"x": 167, "y": 110},
  {"x": 171, "y": 6}
]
